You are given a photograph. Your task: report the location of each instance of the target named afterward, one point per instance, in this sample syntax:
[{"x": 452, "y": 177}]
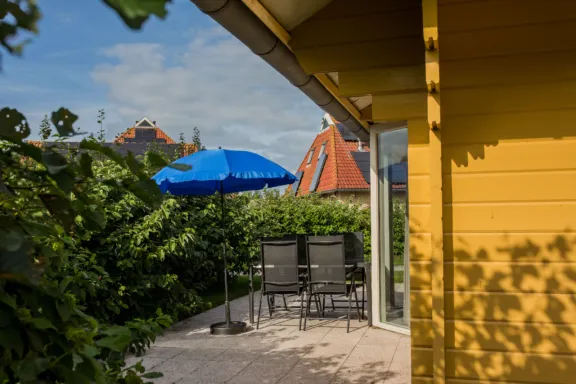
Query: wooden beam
[
  {"x": 270, "y": 21},
  {"x": 366, "y": 113},
  {"x": 383, "y": 81},
  {"x": 430, "y": 34},
  {"x": 275, "y": 27},
  {"x": 381, "y": 25},
  {"x": 333, "y": 89},
  {"x": 361, "y": 55},
  {"x": 403, "y": 106}
]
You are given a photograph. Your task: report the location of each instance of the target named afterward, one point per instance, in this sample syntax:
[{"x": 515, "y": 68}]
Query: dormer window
[
  {"x": 311, "y": 156},
  {"x": 322, "y": 149}
]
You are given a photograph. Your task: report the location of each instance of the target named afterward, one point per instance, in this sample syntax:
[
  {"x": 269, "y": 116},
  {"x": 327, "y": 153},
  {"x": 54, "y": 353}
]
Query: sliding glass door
[{"x": 393, "y": 262}]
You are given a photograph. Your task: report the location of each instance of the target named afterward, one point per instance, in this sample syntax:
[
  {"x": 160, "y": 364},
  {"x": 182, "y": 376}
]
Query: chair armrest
[{"x": 352, "y": 273}]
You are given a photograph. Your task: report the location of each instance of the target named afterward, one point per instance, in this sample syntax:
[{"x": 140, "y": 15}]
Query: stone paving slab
[{"x": 278, "y": 352}]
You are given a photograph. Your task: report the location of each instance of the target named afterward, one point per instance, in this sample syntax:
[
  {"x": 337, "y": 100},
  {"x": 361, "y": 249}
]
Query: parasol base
[{"x": 224, "y": 329}]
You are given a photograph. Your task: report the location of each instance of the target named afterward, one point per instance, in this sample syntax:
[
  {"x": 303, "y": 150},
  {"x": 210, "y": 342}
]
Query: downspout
[{"x": 235, "y": 17}]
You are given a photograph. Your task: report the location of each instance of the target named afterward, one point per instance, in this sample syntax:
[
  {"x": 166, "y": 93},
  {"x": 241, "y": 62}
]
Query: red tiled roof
[
  {"x": 340, "y": 171},
  {"x": 131, "y": 132}
]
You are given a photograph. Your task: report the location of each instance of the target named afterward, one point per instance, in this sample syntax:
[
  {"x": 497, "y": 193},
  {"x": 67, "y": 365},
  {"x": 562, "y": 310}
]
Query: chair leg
[
  {"x": 318, "y": 306},
  {"x": 259, "y": 309},
  {"x": 349, "y": 310},
  {"x": 308, "y": 304},
  {"x": 285, "y": 306},
  {"x": 332, "y": 301},
  {"x": 358, "y": 304},
  {"x": 270, "y": 300},
  {"x": 323, "y": 305},
  {"x": 302, "y": 298}
]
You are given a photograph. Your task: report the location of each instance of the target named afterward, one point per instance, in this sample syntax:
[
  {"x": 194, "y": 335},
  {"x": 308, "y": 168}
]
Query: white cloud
[{"x": 217, "y": 84}]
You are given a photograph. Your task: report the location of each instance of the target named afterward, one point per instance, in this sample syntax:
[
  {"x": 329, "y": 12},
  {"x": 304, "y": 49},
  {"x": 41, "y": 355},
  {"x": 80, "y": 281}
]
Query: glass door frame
[{"x": 375, "y": 208}]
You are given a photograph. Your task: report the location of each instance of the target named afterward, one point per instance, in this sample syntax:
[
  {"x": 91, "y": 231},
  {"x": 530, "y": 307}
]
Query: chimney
[
  {"x": 360, "y": 146},
  {"x": 154, "y": 123}
]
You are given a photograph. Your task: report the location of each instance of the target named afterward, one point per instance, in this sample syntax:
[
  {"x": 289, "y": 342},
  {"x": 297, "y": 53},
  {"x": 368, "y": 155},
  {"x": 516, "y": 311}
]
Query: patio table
[{"x": 362, "y": 265}]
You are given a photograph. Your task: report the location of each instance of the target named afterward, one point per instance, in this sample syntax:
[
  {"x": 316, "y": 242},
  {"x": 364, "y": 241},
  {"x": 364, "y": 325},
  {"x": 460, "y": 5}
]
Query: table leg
[
  {"x": 368, "y": 269},
  {"x": 251, "y": 294},
  {"x": 363, "y": 289}
]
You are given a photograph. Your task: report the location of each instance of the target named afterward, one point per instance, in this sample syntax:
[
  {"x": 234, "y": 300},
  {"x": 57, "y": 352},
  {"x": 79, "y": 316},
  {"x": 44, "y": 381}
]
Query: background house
[
  {"x": 137, "y": 139},
  {"x": 338, "y": 165}
]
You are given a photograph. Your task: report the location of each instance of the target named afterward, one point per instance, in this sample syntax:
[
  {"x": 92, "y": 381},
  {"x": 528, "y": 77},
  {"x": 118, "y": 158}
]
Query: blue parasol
[{"x": 222, "y": 171}]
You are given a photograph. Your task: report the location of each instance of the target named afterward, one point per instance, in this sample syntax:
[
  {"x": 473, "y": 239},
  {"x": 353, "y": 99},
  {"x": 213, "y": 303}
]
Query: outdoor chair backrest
[
  {"x": 279, "y": 258},
  {"x": 326, "y": 262}
]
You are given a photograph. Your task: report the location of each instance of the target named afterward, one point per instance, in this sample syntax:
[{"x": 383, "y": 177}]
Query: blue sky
[{"x": 183, "y": 72}]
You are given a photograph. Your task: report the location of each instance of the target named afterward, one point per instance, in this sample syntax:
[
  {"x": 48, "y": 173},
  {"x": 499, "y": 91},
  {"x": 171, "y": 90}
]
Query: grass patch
[
  {"x": 398, "y": 277},
  {"x": 238, "y": 287}
]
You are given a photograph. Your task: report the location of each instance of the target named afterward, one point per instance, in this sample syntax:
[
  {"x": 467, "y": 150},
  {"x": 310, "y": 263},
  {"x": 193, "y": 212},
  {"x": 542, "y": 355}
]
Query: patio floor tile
[
  {"x": 214, "y": 372},
  {"x": 279, "y": 353}
]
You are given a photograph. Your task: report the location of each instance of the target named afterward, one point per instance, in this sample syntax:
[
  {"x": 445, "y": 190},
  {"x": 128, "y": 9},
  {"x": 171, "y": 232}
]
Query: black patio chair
[
  {"x": 280, "y": 274},
  {"x": 328, "y": 274}
]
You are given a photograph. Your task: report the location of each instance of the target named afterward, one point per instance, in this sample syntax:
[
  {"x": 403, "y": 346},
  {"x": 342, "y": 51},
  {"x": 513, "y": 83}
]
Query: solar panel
[
  {"x": 318, "y": 172},
  {"x": 346, "y": 134},
  {"x": 399, "y": 172},
  {"x": 297, "y": 182},
  {"x": 363, "y": 161}
]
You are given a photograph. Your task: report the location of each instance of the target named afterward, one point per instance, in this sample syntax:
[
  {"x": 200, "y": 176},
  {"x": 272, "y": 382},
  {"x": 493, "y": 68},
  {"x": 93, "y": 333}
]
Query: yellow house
[{"x": 479, "y": 97}]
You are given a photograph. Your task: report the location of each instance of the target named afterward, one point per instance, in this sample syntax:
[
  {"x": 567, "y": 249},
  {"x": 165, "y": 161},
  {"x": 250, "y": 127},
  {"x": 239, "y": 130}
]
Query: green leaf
[
  {"x": 36, "y": 228},
  {"x": 76, "y": 359},
  {"x": 31, "y": 367},
  {"x": 86, "y": 165},
  {"x": 11, "y": 241},
  {"x": 106, "y": 151},
  {"x": 11, "y": 340},
  {"x": 98, "y": 374},
  {"x": 6, "y": 189},
  {"x": 13, "y": 124},
  {"x": 31, "y": 151},
  {"x": 54, "y": 161},
  {"x": 64, "y": 121},
  {"x": 117, "y": 338},
  {"x": 90, "y": 350},
  {"x": 147, "y": 191},
  {"x": 155, "y": 159},
  {"x": 65, "y": 181},
  {"x": 41, "y": 323},
  {"x": 135, "y": 12},
  {"x": 96, "y": 216},
  {"x": 180, "y": 167},
  {"x": 133, "y": 164},
  {"x": 63, "y": 310},
  {"x": 8, "y": 300},
  {"x": 152, "y": 375}
]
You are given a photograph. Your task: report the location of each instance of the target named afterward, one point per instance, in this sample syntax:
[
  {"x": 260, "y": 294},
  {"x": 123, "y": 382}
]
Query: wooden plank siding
[
  {"x": 492, "y": 190},
  {"x": 341, "y": 37},
  {"x": 508, "y": 71}
]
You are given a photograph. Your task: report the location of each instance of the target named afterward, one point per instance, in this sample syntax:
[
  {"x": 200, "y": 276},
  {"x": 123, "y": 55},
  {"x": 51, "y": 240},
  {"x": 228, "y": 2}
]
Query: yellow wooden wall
[
  {"x": 492, "y": 189},
  {"x": 508, "y": 87}
]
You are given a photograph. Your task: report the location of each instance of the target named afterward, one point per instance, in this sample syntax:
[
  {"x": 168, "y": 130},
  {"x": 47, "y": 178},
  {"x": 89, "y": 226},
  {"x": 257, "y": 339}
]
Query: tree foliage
[
  {"x": 46, "y": 205},
  {"x": 45, "y": 129},
  {"x": 94, "y": 262}
]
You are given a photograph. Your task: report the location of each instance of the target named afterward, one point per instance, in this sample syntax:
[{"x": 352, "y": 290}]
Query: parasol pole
[{"x": 226, "y": 302}]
